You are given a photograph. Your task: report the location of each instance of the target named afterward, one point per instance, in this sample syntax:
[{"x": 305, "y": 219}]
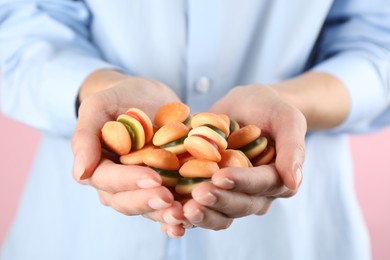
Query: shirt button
[{"x": 203, "y": 85}]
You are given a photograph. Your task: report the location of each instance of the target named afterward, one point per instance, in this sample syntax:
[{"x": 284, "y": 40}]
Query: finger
[
  {"x": 172, "y": 231},
  {"x": 171, "y": 216},
  {"x": 232, "y": 204},
  {"x": 138, "y": 202},
  {"x": 86, "y": 145},
  {"x": 290, "y": 146},
  {"x": 103, "y": 197},
  {"x": 204, "y": 217},
  {"x": 259, "y": 181},
  {"x": 111, "y": 177},
  {"x": 262, "y": 180}
]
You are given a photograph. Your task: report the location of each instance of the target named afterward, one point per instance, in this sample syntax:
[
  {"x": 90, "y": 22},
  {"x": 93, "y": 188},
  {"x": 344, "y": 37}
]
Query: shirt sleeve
[
  {"x": 355, "y": 47},
  {"x": 45, "y": 54}
]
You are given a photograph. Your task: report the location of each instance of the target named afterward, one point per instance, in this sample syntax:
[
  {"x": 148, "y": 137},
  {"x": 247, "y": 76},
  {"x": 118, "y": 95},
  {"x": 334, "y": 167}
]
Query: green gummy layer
[
  {"x": 252, "y": 144},
  {"x": 187, "y": 122},
  {"x": 232, "y": 126},
  {"x": 167, "y": 173},
  {"x": 216, "y": 130},
  {"x": 186, "y": 181},
  {"x": 131, "y": 132},
  {"x": 173, "y": 143}
]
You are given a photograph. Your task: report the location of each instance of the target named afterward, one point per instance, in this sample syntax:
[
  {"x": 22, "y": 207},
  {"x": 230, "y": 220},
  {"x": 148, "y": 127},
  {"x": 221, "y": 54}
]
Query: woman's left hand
[{"x": 239, "y": 192}]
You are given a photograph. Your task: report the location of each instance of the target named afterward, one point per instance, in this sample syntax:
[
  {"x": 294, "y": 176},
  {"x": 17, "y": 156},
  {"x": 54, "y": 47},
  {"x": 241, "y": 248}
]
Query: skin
[
  {"x": 131, "y": 190},
  {"x": 285, "y": 110}
]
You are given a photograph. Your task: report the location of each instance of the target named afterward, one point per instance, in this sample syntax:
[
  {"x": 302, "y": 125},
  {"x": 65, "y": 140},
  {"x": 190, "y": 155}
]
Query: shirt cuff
[
  {"x": 363, "y": 84},
  {"x": 61, "y": 80}
]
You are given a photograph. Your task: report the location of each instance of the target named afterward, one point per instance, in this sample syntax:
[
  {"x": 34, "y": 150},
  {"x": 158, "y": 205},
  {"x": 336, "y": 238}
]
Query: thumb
[
  {"x": 290, "y": 152},
  {"x": 87, "y": 153},
  {"x": 86, "y": 145}
]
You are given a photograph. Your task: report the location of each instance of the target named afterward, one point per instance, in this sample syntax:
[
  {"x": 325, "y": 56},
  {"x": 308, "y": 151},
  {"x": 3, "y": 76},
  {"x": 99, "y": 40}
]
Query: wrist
[
  {"x": 100, "y": 80},
  {"x": 291, "y": 96},
  {"x": 322, "y": 98}
]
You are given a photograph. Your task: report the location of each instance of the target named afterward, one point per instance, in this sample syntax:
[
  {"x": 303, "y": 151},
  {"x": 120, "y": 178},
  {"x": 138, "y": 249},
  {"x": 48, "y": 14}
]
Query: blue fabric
[{"x": 47, "y": 48}]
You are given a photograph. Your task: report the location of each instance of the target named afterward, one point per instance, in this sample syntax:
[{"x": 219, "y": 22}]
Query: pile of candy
[{"x": 185, "y": 149}]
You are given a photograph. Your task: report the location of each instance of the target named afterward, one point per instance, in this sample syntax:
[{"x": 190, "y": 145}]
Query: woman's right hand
[{"x": 131, "y": 190}]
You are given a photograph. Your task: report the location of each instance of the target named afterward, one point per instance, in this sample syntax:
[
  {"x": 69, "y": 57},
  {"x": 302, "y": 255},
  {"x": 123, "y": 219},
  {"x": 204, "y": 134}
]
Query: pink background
[{"x": 371, "y": 155}]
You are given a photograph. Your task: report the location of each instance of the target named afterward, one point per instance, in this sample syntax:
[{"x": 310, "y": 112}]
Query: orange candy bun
[
  {"x": 255, "y": 148},
  {"x": 265, "y": 157},
  {"x": 145, "y": 121},
  {"x": 174, "y": 111},
  {"x": 209, "y": 134},
  {"x": 234, "y": 158},
  {"x": 243, "y": 136},
  {"x": 171, "y": 137},
  {"x": 205, "y": 143},
  {"x": 225, "y": 118},
  {"x": 136, "y": 157},
  {"x": 165, "y": 163},
  {"x": 116, "y": 137},
  {"x": 248, "y": 140},
  {"x": 210, "y": 119},
  {"x": 135, "y": 130},
  {"x": 161, "y": 159},
  {"x": 201, "y": 148},
  {"x": 198, "y": 168}
]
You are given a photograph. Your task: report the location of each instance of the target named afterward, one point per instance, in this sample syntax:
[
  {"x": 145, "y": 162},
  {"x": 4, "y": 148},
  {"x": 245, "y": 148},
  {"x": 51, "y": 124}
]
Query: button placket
[
  {"x": 203, "y": 85},
  {"x": 202, "y": 49}
]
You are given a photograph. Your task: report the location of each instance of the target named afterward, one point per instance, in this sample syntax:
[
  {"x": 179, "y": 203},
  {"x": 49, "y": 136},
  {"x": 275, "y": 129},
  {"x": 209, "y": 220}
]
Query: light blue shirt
[{"x": 201, "y": 49}]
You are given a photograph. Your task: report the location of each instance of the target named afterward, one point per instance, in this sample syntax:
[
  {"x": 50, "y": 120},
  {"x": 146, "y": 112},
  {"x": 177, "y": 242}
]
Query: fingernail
[
  {"x": 195, "y": 216},
  {"x": 224, "y": 183},
  {"x": 171, "y": 220},
  {"x": 207, "y": 199},
  {"x": 79, "y": 166},
  {"x": 147, "y": 183},
  {"x": 157, "y": 203},
  {"x": 172, "y": 234},
  {"x": 298, "y": 176}
]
